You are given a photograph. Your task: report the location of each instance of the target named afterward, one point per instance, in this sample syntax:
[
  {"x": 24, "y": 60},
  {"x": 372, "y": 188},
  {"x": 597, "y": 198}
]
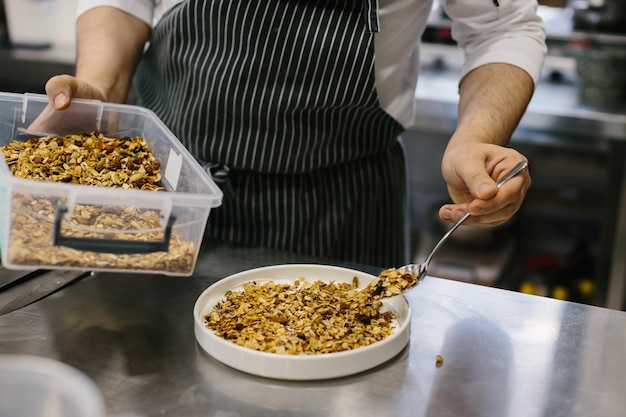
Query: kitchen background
[{"x": 569, "y": 239}]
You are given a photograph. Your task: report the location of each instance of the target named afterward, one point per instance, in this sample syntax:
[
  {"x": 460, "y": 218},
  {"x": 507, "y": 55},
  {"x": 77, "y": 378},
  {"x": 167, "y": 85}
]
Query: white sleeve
[
  {"x": 504, "y": 31},
  {"x": 141, "y": 9}
]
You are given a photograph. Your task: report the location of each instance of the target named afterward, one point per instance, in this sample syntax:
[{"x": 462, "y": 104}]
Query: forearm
[
  {"x": 109, "y": 45},
  {"x": 493, "y": 99}
]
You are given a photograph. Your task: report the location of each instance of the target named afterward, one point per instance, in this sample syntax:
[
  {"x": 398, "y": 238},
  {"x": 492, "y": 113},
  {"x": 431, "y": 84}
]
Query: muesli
[
  {"x": 97, "y": 160},
  {"x": 301, "y": 318}
]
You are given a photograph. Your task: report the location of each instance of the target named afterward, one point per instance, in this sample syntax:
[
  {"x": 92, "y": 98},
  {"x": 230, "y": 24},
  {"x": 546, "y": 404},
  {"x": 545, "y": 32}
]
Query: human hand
[
  {"x": 57, "y": 116},
  {"x": 471, "y": 171},
  {"x": 62, "y": 88}
]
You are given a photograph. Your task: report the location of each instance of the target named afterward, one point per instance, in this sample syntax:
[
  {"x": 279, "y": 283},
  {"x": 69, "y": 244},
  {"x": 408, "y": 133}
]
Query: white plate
[{"x": 298, "y": 367}]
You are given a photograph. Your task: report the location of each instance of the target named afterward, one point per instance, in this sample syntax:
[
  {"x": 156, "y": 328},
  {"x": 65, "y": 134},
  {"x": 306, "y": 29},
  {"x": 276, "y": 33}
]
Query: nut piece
[{"x": 300, "y": 319}]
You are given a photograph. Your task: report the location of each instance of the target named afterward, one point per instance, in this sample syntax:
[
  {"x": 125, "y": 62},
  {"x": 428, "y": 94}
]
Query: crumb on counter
[{"x": 439, "y": 361}]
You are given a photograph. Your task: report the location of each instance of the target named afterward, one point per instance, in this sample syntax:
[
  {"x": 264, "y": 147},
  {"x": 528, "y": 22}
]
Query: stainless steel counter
[{"x": 505, "y": 353}]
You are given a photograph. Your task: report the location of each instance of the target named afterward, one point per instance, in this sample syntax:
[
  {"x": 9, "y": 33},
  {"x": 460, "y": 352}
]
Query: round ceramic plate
[{"x": 298, "y": 367}]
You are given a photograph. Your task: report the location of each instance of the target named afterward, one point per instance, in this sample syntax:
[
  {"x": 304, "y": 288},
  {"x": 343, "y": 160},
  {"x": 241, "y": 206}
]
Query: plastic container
[
  {"x": 41, "y": 224},
  {"x": 34, "y": 386}
]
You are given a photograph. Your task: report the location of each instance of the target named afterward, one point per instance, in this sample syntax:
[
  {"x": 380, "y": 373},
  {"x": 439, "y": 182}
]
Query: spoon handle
[
  {"x": 513, "y": 172},
  {"x": 446, "y": 236}
]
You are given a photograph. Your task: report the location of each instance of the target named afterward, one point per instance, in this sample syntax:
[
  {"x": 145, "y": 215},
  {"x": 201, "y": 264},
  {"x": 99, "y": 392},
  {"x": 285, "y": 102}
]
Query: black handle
[{"x": 115, "y": 246}]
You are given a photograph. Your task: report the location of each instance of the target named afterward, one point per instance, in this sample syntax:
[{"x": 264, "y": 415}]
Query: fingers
[
  {"x": 478, "y": 193},
  {"x": 60, "y": 89},
  {"x": 494, "y": 219},
  {"x": 491, "y": 213},
  {"x": 477, "y": 180}
]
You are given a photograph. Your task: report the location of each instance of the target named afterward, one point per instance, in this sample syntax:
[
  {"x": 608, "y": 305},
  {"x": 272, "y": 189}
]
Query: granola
[
  {"x": 391, "y": 282},
  {"x": 88, "y": 159},
  {"x": 305, "y": 318}
]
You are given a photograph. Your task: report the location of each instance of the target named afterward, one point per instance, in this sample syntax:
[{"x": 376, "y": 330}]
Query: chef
[{"x": 296, "y": 106}]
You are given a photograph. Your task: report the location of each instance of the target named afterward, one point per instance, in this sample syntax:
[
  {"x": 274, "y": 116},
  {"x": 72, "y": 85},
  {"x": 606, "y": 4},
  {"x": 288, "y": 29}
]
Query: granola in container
[
  {"x": 96, "y": 160},
  {"x": 90, "y": 159}
]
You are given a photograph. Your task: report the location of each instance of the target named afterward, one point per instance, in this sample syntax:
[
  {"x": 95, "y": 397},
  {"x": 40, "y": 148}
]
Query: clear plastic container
[
  {"x": 34, "y": 386},
  {"x": 53, "y": 225}
]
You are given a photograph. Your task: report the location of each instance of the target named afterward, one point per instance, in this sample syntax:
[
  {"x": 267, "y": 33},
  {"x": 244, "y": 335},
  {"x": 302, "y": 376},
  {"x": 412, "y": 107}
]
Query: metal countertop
[{"x": 505, "y": 353}]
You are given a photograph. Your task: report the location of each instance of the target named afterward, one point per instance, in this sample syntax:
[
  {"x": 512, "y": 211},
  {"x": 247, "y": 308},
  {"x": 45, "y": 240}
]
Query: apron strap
[{"x": 371, "y": 15}]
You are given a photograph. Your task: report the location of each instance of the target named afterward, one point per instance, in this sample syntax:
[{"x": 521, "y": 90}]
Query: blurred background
[{"x": 569, "y": 239}]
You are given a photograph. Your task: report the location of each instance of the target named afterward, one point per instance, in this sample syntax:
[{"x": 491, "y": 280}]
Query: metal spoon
[{"x": 419, "y": 270}]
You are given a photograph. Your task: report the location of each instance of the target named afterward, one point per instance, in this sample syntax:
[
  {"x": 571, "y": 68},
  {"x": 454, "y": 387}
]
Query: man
[{"x": 295, "y": 107}]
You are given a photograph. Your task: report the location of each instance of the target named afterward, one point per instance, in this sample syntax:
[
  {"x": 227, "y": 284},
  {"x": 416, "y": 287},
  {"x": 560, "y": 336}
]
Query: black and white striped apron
[{"x": 280, "y": 94}]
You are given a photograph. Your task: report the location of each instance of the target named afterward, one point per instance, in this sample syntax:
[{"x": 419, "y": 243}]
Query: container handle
[{"x": 114, "y": 246}]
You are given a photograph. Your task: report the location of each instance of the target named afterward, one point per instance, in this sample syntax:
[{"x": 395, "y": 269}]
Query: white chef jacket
[{"x": 507, "y": 32}]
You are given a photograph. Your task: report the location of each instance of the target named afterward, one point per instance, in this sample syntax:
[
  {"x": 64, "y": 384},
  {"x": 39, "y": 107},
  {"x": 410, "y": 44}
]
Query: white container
[
  {"x": 34, "y": 386},
  {"x": 182, "y": 210}
]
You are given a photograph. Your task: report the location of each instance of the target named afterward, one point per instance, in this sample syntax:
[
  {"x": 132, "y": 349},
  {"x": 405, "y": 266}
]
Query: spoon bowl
[{"x": 414, "y": 274}]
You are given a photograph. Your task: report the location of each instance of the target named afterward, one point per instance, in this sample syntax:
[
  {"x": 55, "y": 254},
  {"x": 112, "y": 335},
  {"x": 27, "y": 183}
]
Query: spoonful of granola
[{"x": 394, "y": 281}]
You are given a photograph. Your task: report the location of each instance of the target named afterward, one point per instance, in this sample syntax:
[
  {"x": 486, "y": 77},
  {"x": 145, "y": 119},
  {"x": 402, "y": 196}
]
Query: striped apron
[{"x": 277, "y": 98}]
